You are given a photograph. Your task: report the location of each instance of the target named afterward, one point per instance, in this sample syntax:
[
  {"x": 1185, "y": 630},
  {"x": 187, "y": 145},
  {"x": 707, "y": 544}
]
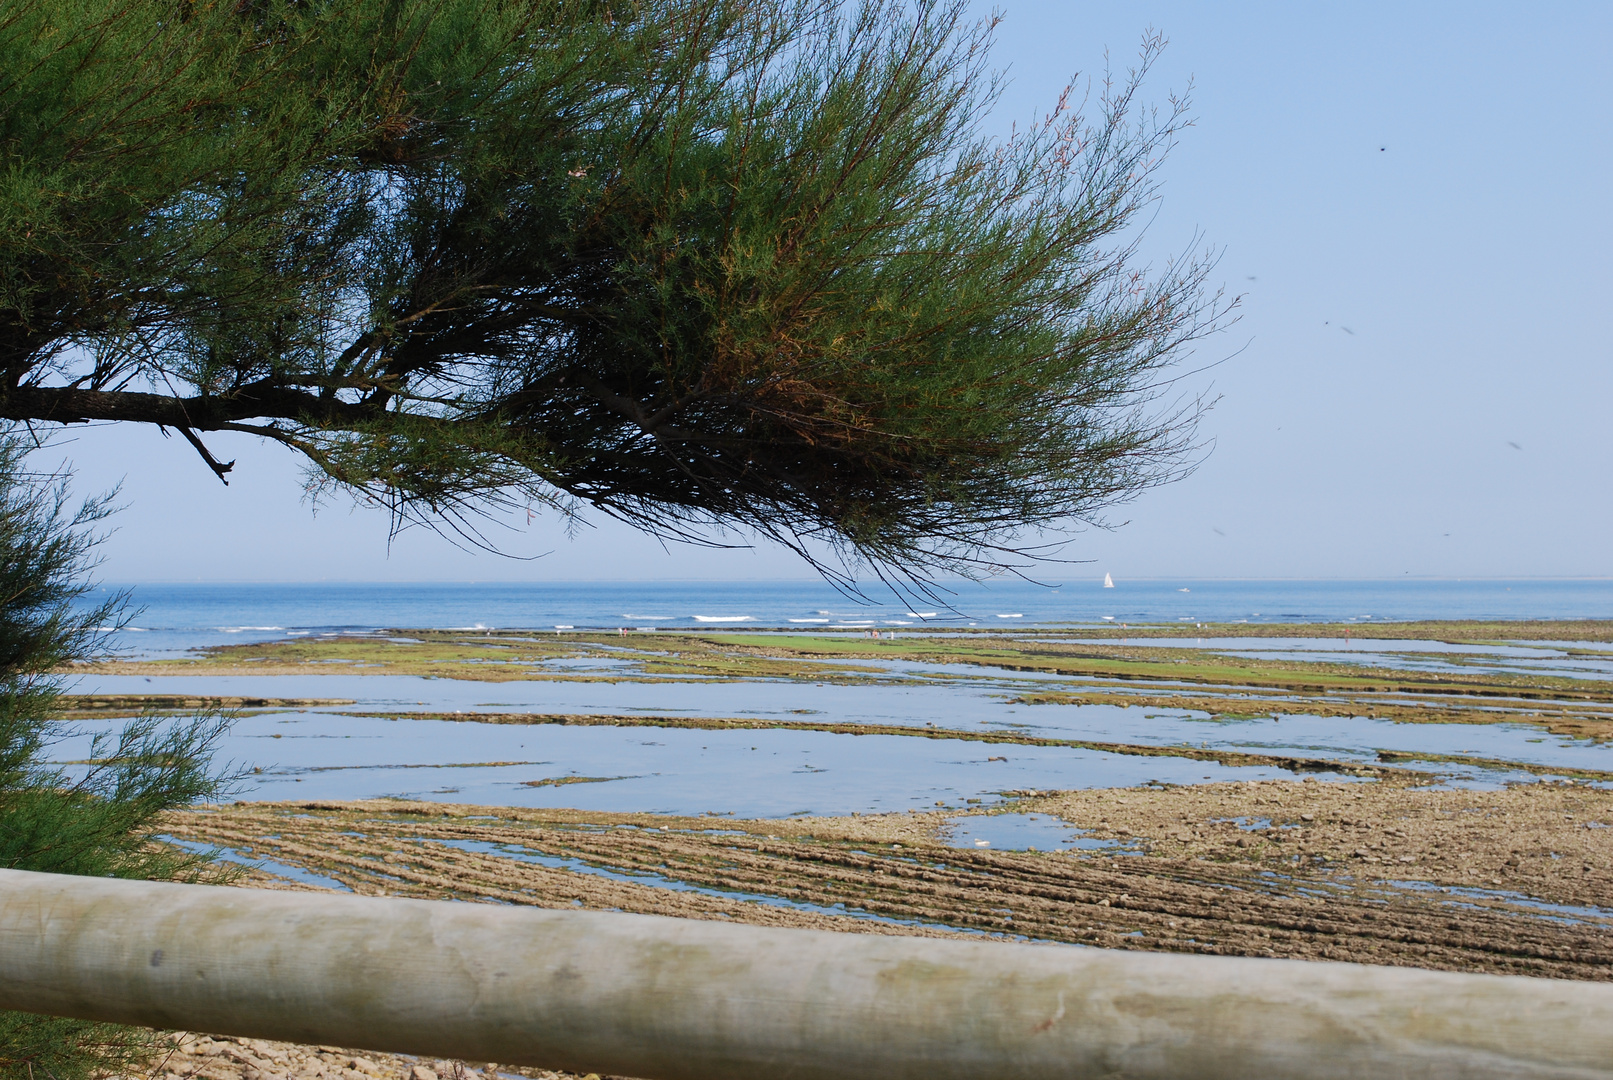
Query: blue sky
[{"x": 1433, "y": 177}]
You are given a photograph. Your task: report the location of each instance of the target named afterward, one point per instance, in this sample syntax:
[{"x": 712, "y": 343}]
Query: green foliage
[
  {"x": 696, "y": 263},
  {"x": 54, "y": 1048},
  {"x": 100, "y": 816}
]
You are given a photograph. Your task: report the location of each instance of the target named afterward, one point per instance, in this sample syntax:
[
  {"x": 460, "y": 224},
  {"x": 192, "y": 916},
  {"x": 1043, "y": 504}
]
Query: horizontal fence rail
[{"x": 678, "y": 999}]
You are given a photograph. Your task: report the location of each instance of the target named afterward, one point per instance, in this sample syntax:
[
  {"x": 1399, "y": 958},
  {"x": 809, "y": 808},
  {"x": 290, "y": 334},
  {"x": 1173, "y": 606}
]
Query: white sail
[{"x": 1108, "y": 582}]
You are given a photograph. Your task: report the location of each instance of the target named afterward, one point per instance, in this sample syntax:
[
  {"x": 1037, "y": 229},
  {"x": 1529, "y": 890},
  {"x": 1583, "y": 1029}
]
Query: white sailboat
[{"x": 1108, "y": 582}]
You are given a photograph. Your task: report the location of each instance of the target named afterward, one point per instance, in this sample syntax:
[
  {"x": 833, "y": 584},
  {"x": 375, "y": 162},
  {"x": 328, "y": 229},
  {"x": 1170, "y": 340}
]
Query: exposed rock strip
[
  {"x": 837, "y": 727},
  {"x": 1549, "y": 841},
  {"x": 87, "y": 706},
  {"x": 1284, "y": 894},
  {"x": 1579, "y": 719}
]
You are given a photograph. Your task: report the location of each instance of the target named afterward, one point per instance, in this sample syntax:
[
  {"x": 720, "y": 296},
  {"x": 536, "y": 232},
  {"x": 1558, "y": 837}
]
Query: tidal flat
[
  {"x": 772, "y": 724},
  {"x": 1511, "y": 881},
  {"x": 1432, "y": 795},
  {"x": 1441, "y": 800}
]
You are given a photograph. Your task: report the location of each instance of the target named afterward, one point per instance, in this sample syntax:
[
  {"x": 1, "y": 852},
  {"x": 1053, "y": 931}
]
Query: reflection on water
[
  {"x": 1560, "y": 665},
  {"x": 1024, "y": 832},
  {"x": 238, "y": 858},
  {"x": 314, "y": 755},
  {"x": 326, "y": 754},
  {"x": 976, "y": 704},
  {"x": 1471, "y": 898}
]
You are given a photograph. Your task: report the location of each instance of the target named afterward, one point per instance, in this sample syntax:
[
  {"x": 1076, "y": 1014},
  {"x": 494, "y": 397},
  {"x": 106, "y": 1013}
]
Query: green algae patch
[
  {"x": 123, "y": 706},
  {"x": 562, "y": 781},
  {"x": 497, "y": 657}
]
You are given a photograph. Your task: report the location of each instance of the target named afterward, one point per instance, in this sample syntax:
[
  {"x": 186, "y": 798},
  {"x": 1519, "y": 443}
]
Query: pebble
[{"x": 205, "y": 1057}]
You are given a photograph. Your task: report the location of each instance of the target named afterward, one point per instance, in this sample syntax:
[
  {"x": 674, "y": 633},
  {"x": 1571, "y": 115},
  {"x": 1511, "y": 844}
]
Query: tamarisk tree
[
  {"x": 693, "y": 263},
  {"x": 98, "y": 816}
]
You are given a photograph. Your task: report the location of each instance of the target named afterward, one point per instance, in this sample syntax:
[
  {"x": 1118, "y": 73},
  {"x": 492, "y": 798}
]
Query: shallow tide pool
[
  {"x": 979, "y": 704},
  {"x": 322, "y": 756}
]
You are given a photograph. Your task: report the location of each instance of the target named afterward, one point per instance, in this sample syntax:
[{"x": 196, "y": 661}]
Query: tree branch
[
  {"x": 219, "y": 467},
  {"x": 71, "y": 405}
]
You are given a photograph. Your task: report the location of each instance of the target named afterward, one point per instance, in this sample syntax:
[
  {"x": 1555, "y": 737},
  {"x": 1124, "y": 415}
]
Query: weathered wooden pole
[{"x": 669, "y": 999}]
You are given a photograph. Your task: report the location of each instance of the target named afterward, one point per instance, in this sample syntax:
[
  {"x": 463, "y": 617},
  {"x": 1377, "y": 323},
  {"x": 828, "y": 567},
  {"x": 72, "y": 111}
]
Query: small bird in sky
[
  {"x": 1514, "y": 445},
  {"x": 1381, "y": 149}
]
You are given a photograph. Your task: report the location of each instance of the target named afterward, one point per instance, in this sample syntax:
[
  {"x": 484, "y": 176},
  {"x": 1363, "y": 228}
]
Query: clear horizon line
[{"x": 950, "y": 582}]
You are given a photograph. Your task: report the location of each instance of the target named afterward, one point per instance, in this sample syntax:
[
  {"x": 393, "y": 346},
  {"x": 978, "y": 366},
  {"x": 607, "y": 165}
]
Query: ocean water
[{"x": 174, "y": 617}]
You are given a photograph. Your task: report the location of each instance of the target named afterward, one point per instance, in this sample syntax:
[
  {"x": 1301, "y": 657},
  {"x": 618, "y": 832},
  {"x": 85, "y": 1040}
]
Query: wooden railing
[{"x": 668, "y": 999}]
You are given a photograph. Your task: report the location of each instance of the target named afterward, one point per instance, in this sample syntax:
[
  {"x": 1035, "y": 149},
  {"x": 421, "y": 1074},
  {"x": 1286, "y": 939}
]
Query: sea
[{"x": 166, "y": 619}]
